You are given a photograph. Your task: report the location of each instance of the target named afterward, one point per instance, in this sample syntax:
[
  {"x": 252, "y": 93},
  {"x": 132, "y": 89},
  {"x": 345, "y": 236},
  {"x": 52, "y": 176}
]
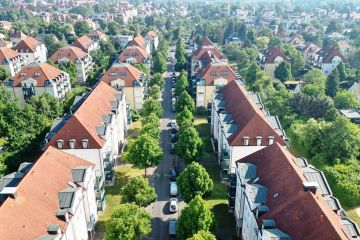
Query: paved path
[{"x": 160, "y": 175}]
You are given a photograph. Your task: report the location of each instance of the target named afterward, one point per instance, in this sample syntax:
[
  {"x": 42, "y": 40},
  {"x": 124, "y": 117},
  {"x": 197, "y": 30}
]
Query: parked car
[
  {"x": 173, "y": 208},
  {"x": 173, "y": 189},
  {"x": 172, "y": 175},
  {"x": 173, "y": 109},
  {"x": 173, "y": 138},
  {"x": 173, "y": 124},
  {"x": 174, "y": 74},
  {"x": 172, "y": 226},
  {"x": 172, "y": 148}
]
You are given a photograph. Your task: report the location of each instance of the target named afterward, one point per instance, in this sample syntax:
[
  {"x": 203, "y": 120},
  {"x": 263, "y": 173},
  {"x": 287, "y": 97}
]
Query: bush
[
  {"x": 201, "y": 111},
  {"x": 134, "y": 115}
]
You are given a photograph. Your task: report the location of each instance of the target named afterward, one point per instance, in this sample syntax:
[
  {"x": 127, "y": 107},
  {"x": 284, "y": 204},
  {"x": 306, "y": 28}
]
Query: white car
[
  {"x": 173, "y": 207},
  {"x": 173, "y": 189},
  {"x": 173, "y": 124}
]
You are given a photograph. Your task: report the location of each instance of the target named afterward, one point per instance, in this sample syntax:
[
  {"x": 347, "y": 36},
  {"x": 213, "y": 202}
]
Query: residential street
[{"x": 161, "y": 177}]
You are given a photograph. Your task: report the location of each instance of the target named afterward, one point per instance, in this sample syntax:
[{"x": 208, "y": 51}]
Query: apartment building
[
  {"x": 16, "y": 37},
  {"x": 94, "y": 129},
  {"x": 139, "y": 41},
  {"x": 240, "y": 126},
  {"x": 56, "y": 199},
  {"x": 10, "y": 61},
  {"x": 130, "y": 80},
  {"x": 39, "y": 78},
  {"x": 97, "y": 36},
  {"x": 279, "y": 196},
  {"x": 271, "y": 59},
  {"x": 152, "y": 38},
  {"x": 31, "y": 50},
  {"x": 134, "y": 55},
  {"x": 86, "y": 44},
  {"x": 123, "y": 40},
  {"x": 327, "y": 59},
  {"x": 82, "y": 60}
]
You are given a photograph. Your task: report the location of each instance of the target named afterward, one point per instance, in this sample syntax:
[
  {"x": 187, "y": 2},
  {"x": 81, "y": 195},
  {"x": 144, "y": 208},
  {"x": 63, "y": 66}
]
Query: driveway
[{"x": 161, "y": 178}]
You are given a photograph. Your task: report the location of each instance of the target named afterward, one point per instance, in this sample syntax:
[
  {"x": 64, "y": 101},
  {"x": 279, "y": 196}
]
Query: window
[
  {"x": 271, "y": 140},
  {"x": 60, "y": 144},
  {"x": 258, "y": 140},
  {"x": 72, "y": 143},
  {"x": 246, "y": 141},
  {"x": 224, "y": 73},
  {"x": 122, "y": 73},
  {"x": 213, "y": 73},
  {"x": 22, "y": 74},
  {"x": 113, "y": 74},
  {"x": 85, "y": 143},
  {"x": 36, "y": 74}
]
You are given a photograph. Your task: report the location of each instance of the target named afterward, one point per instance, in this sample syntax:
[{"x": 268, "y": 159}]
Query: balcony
[
  {"x": 99, "y": 182},
  {"x": 231, "y": 205},
  {"x": 100, "y": 195},
  {"x": 224, "y": 164},
  {"x": 101, "y": 205}
]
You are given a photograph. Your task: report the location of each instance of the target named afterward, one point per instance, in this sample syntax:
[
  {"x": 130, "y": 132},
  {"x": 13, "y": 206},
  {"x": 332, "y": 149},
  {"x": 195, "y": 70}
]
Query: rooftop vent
[
  {"x": 312, "y": 186},
  {"x": 62, "y": 214},
  {"x": 53, "y": 229}
]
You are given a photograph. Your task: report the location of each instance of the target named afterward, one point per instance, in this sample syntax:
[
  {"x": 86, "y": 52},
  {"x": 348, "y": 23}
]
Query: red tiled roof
[
  {"x": 72, "y": 53},
  {"x": 138, "y": 41},
  {"x": 203, "y": 49},
  {"x": 33, "y": 210},
  {"x": 82, "y": 125},
  {"x": 220, "y": 68},
  {"x": 301, "y": 214},
  {"x": 84, "y": 43},
  {"x": 132, "y": 74},
  {"x": 246, "y": 114},
  {"x": 4, "y": 43},
  {"x": 206, "y": 42},
  {"x": 46, "y": 72},
  {"x": 328, "y": 53},
  {"x": 97, "y": 33},
  {"x": 152, "y": 34},
  {"x": 133, "y": 51},
  {"x": 8, "y": 54},
  {"x": 274, "y": 53},
  {"x": 28, "y": 44}
]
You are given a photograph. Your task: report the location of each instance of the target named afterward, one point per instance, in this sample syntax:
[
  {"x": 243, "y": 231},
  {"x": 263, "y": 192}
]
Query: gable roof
[
  {"x": 70, "y": 52},
  {"x": 137, "y": 41},
  {"x": 206, "y": 42},
  {"x": 133, "y": 51},
  {"x": 96, "y": 34},
  {"x": 222, "y": 69},
  {"x": 83, "y": 124},
  {"x": 84, "y": 43},
  {"x": 152, "y": 34},
  {"x": 301, "y": 214},
  {"x": 273, "y": 53},
  {"x": 116, "y": 70},
  {"x": 206, "y": 48},
  {"x": 44, "y": 71},
  {"x": 28, "y": 44},
  {"x": 18, "y": 34},
  {"x": 33, "y": 210},
  {"x": 328, "y": 53},
  {"x": 250, "y": 120},
  {"x": 7, "y": 54}
]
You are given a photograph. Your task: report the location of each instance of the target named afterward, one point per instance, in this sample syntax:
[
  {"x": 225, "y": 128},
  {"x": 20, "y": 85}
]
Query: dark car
[
  {"x": 173, "y": 175},
  {"x": 173, "y": 130},
  {"x": 173, "y": 74},
  {"x": 173, "y": 138},
  {"x": 172, "y": 148}
]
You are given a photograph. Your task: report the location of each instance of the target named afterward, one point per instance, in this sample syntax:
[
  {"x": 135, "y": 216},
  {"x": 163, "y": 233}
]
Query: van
[
  {"x": 172, "y": 227},
  {"x": 173, "y": 189}
]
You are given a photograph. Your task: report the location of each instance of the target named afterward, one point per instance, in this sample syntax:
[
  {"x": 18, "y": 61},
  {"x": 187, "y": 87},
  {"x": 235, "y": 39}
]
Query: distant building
[
  {"x": 127, "y": 78},
  {"x": 39, "y": 78},
  {"x": 123, "y": 40},
  {"x": 6, "y": 25},
  {"x": 31, "y": 50},
  {"x": 86, "y": 44},
  {"x": 135, "y": 55},
  {"x": 82, "y": 60},
  {"x": 10, "y": 60},
  {"x": 16, "y": 37},
  {"x": 344, "y": 47},
  {"x": 97, "y": 36},
  {"x": 327, "y": 59},
  {"x": 308, "y": 51},
  {"x": 140, "y": 41},
  {"x": 352, "y": 114},
  {"x": 271, "y": 59},
  {"x": 55, "y": 200},
  {"x": 152, "y": 38}
]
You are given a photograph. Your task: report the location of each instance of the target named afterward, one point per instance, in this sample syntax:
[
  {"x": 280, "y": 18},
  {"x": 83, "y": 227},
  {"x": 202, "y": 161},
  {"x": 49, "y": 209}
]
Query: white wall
[{"x": 239, "y": 152}]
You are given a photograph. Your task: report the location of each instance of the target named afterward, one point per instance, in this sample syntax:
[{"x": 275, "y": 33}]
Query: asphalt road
[{"x": 161, "y": 178}]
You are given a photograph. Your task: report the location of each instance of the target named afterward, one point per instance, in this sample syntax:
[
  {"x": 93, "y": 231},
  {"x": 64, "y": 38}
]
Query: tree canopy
[
  {"x": 152, "y": 106},
  {"x": 185, "y": 100},
  {"x": 190, "y": 145},
  {"x": 203, "y": 235},
  {"x": 138, "y": 191},
  {"x": 283, "y": 71},
  {"x": 345, "y": 100},
  {"x": 182, "y": 83}
]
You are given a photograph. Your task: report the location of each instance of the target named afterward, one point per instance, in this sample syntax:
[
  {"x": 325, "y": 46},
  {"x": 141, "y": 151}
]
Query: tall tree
[
  {"x": 185, "y": 100},
  {"x": 128, "y": 221},
  {"x": 81, "y": 28},
  {"x": 332, "y": 84},
  {"x": 138, "y": 191},
  {"x": 194, "y": 217},
  {"x": 182, "y": 83},
  {"x": 144, "y": 152},
  {"x": 251, "y": 73},
  {"x": 194, "y": 180},
  {"x": 151, "y": 119},
  {"x": 157, "y": 79},
  {"x": 47, "y": 105},
  {"x": 283, "y": 71},
  {"x": 184, "y": 117},
  {"x": 345, "y": 100},
  {"x": 203, "y": 235},
  {"x": 151, "y": 129},
  {"x": 159, "y": 63},
  {"x": 152, "y": 106},
  {"x": 190, "y": 145}
]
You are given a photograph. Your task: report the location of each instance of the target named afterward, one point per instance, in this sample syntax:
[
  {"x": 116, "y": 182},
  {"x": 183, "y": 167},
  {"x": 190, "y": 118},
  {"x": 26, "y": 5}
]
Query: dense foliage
[{"x": 138, "y": 191}]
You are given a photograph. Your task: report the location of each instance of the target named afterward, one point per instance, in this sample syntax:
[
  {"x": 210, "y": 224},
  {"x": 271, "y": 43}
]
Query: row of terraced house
[
  {"x": 272, "y": 194},
  {"x": 61, "y": 194}
]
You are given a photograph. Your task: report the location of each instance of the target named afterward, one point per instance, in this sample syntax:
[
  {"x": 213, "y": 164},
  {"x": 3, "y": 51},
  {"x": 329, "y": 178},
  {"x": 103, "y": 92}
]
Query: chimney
[
  {"x": 312, "y": 186},
  {"x": 271, "y": 140}
]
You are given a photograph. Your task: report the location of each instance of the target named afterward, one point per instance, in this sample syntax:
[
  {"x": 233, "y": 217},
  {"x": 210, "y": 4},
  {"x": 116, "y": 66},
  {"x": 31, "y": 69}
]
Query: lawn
[
  {"x": 353, "y": 215},
  {"x": 122, "y": 173},
  {"x": 203, "y": 129},
  {"x": 134, "y": 129}
]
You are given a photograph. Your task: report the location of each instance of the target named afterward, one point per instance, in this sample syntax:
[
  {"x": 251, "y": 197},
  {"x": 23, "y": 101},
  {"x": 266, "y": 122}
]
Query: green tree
[
  {"x": 151, "y": 119},
  {"x": 315, "y": 76},
  {"x": 185, "y": 100},
  {"x": 184, "y": 117},
  {"x": 313, "y": 90},
  {"x": 3, "y": 74},
  {"x": 83, "y": 10},
  {"x": 138, "y": 191},
  {"x": 296, "y": 59},
  {"x": 70, "y": 68},
  {"x": 144, "y": 152},
  {"x": 203, "y": 235},
  {"x": 157, "y": 79},
  {"x": 152, "y": 106},
  {"x": 283, "y": 71},
  {"x": 312, "y": 106},
  {"x": 190, "y": 145},
  {"x": 142, "y": 68},
  {"x": 113, "y": 28},
  {"x": 251, "y": 73},
  {"x": 194, "y": 217},
  {"x": 334, "y": 26},
  {"x": 151, "y": 129},
  {"x": 154, "y": 92},
  {"x": 47, "y": 106},
  {"x": 159, "y": 63},
  {"x": 332, "y": 84},
  {"x": 81, "y": 28},
  {"x": 193, "y": 181},
  {"x": 128, "y": 221},
  {"x": 182, "y": 83},
  {"x": 345, "y": 100}
]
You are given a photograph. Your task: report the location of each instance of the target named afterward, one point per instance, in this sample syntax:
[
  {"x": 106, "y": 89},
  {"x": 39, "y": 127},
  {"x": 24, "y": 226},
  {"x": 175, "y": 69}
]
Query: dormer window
[
  {"x": 113, "y": 74},
  {"x": 85, "y": 143},
  {"x": 123, "y": 74},
  {"x": 246, "y": 141},
  {"x": 258, "y": 140},
  {"x": 37, "y": 74},
  {"x": 72, "y": 143},
  {"x": 60, "y": 144},
  {"x": 271, "y": 140},
  {"x": 22, "y": 74}
]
